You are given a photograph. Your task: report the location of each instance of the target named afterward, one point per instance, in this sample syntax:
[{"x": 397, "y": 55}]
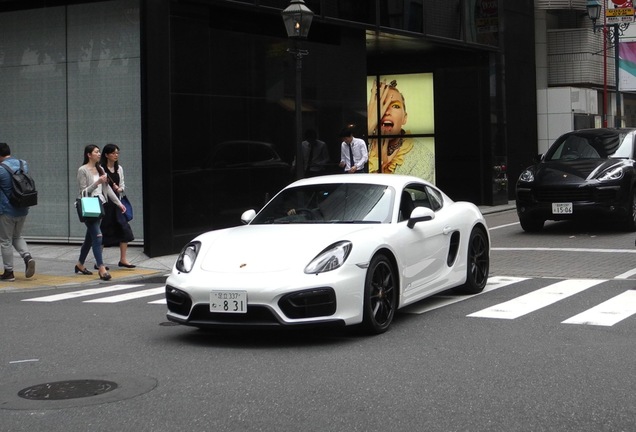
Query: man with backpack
[{"x": 12, "y": 217}]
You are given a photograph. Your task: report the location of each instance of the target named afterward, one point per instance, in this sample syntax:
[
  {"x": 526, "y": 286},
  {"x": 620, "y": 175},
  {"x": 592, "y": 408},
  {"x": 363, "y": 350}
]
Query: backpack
[{"x": 23, "y": 192}]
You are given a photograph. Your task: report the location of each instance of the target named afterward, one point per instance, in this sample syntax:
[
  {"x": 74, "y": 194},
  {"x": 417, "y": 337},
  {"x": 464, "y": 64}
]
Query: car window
[
  {"x": 416, "y": 196},
  {"x": 574, "y": 147},
  {"x": 329, "y": 203},
  {"x": 260, "y": 153}
]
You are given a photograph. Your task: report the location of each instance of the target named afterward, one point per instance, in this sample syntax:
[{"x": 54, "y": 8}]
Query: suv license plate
[
  {"x": 228, "y": 301},
  {"x": 562, "y": 208}
]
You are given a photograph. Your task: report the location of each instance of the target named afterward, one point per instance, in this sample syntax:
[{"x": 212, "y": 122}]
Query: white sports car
[{"x": 332, "y": 250}]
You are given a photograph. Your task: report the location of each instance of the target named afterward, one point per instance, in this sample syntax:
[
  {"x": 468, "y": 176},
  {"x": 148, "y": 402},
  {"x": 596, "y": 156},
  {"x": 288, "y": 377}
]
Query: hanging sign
[{"x": 619, "y": 11}]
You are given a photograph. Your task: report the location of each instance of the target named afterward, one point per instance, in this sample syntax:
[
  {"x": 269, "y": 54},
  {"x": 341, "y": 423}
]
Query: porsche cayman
[{"x": 332, "y": 250}]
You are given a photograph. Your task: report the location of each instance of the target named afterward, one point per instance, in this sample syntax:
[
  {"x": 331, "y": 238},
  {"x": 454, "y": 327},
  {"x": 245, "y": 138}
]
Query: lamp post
[
  {"x": 297, "y": 18},
  {"x": 611, "y": 33}
]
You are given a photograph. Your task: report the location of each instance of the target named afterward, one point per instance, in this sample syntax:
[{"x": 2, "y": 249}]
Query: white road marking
[
  {"x": 439, "y": 301},
  {"x": 82, "y": 293},
  {"x": 537, "y": 299},
  {"x": 502, "y": 226},
  {"x": 159, "y": 302},
  {"x": 128, "y": 296},
  {"x": 609, "y": 312},
  {"x": 547, "y": 249},
  {"x": 625, "y": 275}
]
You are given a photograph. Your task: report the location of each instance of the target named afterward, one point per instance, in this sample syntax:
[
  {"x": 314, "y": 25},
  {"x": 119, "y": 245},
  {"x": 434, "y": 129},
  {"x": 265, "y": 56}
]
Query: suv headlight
[
  {"x": 613, "y": 174},
  {"x": 185, "y": 260},
  {"x": 527, "y": 176},
  {"x": 329, "y": 259}
]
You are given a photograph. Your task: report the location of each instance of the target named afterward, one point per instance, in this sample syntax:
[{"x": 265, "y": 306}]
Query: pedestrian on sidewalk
[
  {"x": 12, "y": 219},
  {"x": 115, "y": 228},
  {"x": 93, "y": 182}
]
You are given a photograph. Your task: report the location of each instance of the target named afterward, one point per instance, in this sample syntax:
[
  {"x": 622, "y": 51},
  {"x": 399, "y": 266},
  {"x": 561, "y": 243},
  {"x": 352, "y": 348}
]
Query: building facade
[
  {"x": 576, "y": 70},
  {"x": 199, "y": 95}
]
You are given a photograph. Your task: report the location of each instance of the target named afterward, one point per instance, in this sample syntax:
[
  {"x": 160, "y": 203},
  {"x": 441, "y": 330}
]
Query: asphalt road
[{"x": 522, "y": 356}]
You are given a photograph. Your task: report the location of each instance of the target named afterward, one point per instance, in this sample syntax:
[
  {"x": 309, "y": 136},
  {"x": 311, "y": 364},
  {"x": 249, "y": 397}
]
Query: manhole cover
[
  {"x": 70, "y": 391},
  {"x": 61, "y": 390}
]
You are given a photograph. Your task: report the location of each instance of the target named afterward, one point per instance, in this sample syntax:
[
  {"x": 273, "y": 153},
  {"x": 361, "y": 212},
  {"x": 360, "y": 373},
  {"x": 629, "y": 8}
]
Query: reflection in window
[
  {"x": 357, "y": 10},
  {"x": 402, "y": 14},
  {"x": 330, "y": 203}
]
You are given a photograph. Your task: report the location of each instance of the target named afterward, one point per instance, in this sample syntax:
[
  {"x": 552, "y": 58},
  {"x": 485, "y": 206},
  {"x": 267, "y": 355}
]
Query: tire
[
  {"x": 630, "y": 221},
  {"x": 529, "y": 224},
  {"x": 477, "y": 263},
  {"x": 380, "y": 295}
]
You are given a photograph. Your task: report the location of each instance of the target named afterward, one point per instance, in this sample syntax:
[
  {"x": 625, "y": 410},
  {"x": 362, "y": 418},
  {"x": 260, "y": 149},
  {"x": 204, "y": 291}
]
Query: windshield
[
  {"x": 329, "y": 203},
  {"x": 591, "y": 146}
]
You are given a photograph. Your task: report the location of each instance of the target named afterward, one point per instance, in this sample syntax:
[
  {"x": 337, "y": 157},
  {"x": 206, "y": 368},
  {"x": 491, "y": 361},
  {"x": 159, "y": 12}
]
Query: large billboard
[{"x": 401, "y": 125}]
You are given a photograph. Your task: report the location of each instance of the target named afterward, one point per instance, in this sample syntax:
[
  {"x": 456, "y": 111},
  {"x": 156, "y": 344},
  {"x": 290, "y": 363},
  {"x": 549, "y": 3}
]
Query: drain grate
[{"x": 73, "y": 389}]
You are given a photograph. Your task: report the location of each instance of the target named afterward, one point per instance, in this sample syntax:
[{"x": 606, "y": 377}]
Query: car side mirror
[
  {"x": 248, "y": 216},
  {"x": 537, "y": 158},
  {"x": 420, "y": 214}
]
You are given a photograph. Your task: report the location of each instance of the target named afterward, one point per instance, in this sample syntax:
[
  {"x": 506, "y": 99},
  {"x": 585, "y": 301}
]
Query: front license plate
[
  {"x": 562, "y": 208},
  {"x": 228, "y": 301}
]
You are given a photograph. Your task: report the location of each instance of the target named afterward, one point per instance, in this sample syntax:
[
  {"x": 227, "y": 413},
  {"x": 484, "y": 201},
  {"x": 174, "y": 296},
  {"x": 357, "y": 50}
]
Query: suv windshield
[
  {"x": 329, "y": 203},
  {"x": 591, "y": 146}
]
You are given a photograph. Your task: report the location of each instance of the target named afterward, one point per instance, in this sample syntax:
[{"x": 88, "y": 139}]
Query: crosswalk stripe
[
  {"x": 438, "y": 301},
  {"x": 128, "y": 296},
  {"x": 82, "y": 293},
  {"x": 159, "y": 302},
  {"x": 537, "y": 299},
  {"x": 609, "y": 312}
]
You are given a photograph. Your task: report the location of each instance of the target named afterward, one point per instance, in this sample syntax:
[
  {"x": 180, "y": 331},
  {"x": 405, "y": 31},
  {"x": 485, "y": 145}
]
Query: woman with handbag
[
  {"x": 93, "y": 182},
  {"x": 115, "y": 228}
]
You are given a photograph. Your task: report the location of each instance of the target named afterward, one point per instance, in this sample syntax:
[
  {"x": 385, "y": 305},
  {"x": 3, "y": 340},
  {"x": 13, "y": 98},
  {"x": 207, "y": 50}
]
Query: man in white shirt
[{"x": 353, "y": 153}]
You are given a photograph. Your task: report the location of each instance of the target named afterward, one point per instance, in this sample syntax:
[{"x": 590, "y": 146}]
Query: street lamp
[
  {"x": 611, "y": 34},
  {"x": 297, "y": 18}
]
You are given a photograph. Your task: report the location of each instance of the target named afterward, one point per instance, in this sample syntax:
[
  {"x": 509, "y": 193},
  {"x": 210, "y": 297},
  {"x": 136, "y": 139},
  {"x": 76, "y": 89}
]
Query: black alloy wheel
[
  {"x": 478, "y": 263},
  {"x": 380, "y": 295}
]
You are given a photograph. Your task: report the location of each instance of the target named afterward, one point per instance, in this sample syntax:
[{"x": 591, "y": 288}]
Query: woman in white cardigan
[{"x": 93, "y": 182}]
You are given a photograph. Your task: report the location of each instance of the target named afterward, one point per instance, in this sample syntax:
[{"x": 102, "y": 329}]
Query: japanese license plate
[
  {"x": 562, "y": 208},
  {"x": 228, "y": 301}
]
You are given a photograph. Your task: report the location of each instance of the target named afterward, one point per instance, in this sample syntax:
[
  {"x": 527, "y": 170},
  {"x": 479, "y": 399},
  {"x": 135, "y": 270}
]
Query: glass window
[
  {"x": 402, "y": 14},
  {"x": 329, "y": 203},
  {"x": 357, "y": 10}
]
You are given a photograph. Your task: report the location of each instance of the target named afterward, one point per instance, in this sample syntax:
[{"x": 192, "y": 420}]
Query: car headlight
[
  {"x": 185, "y": 260},
  {"x": 329, "y": 259},
  {"x": 613, "y": 174},
  {"x": 527, "y": 176}
]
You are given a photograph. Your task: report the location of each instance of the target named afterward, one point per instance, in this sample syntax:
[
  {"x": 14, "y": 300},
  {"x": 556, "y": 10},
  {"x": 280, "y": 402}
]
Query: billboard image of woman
[{"x": 394, "y": 147}]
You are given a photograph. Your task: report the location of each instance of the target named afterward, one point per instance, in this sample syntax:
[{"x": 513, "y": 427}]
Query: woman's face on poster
[{"x": 395, "y": 116}]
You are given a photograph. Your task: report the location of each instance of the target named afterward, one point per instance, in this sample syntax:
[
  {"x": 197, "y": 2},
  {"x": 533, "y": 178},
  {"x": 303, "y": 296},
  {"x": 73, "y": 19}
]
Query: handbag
[
  {"x": 128, "y": 214},
  {"x": 89, "y": 207}
]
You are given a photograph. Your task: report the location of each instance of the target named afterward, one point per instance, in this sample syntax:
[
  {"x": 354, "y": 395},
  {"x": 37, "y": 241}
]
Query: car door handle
[{"x": 447, "y": 230}]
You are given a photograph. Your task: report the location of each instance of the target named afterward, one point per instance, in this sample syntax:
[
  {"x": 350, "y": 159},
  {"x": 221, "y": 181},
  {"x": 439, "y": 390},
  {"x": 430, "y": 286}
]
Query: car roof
[
  {"x": 394, "y": 180},
  {"x": 601, "y": 131}
]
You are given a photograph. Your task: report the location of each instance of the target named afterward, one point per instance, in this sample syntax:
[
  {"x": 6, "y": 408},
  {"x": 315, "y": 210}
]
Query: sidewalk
[{"x": 54, "y": 264}]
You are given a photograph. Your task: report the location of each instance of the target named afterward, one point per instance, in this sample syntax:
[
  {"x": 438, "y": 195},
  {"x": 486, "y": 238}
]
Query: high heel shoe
[
  {"x": 106, "y": 267},
  {"x": 85, "y": 271},
  {"x": 121, "y": 264},
  {"x": 105, "y": 277}
]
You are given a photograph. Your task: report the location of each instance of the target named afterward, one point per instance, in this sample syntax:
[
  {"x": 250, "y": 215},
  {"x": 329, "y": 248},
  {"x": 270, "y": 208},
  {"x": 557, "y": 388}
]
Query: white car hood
[{"x": 271, "y": 248}]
